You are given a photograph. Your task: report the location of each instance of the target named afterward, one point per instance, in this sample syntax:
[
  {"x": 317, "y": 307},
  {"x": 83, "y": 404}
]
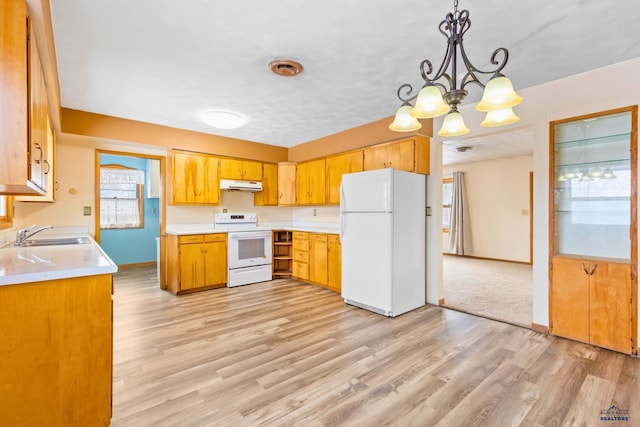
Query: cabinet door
[
  {"x": 318, "y": 258},
  {"x": 570, "y": 299},
  {"x": 317, "y": 182},
  {"x": 303, "y": 177},
  {"x": 400, "y": 155},
  {"x": 334, "y": 263},
  {"x": 269, "y": 194},
  {"x": 610, "y": 305},
  {"x": 194, "y": 179},
  {"x": 286, "y": 184},
  {"x": 337, "y": 166},
  {"x": 240, "y": 169},
  {"x": 215, "y": 263},
  {"x": 375, "y": 158},
  {"x": 37, "y": 118},
  {"x": 191, "y": 266}
]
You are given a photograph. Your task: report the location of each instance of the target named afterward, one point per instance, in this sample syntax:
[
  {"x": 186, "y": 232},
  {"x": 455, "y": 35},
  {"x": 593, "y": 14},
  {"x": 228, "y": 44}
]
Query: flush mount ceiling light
[
  {"x": 223, "y": 119},
  {"x": 497, "y": 100},
  {"x": 285, "y": 67}
]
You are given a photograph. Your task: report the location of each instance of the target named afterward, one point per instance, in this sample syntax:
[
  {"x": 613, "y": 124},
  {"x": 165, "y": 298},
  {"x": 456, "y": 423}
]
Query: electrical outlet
[
  {"x": 315, "y": 212},
  {"x": 525, "y": 212},
  {"x": 86, "y": 211}
]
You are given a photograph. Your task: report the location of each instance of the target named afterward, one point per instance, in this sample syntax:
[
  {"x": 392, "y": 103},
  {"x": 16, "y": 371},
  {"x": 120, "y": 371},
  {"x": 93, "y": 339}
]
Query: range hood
[{"x": 238, "y": 185}]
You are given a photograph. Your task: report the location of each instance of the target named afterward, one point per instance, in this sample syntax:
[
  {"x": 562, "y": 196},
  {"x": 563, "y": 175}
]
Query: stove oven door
[{"x": 249, "y": 248}]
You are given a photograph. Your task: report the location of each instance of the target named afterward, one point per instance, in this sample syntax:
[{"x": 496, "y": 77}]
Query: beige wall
[{"x": 497, "y": 193}]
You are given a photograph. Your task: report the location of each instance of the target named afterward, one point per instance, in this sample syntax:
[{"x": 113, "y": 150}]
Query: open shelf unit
[{"x": 282, "y": 253}]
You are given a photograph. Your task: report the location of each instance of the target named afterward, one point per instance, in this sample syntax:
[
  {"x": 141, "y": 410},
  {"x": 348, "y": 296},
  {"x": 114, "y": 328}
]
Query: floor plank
[{"x": 285, "y": 353}]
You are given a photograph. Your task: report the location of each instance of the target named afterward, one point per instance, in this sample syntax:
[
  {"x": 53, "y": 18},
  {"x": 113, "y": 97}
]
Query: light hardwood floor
[{"x": 284, "y": 353}]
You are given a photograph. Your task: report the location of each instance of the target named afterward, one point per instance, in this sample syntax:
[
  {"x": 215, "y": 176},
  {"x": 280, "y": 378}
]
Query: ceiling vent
[
  {"x": 463, "y": 149},
  {"x": 285, "y": 67}
]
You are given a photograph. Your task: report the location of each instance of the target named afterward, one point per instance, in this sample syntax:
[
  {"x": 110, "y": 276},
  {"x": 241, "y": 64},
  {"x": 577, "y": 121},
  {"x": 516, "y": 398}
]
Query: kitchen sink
[{"x": 56, "y": 241}]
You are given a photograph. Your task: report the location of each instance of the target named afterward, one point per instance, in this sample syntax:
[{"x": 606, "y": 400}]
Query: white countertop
[
  {"x": 312, "y": 227},
  {"x": 40, "y": 263}
]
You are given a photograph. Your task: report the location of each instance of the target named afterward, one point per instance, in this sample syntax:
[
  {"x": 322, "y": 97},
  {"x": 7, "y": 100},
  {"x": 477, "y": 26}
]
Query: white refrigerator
[{"x": 382, "y": 219}]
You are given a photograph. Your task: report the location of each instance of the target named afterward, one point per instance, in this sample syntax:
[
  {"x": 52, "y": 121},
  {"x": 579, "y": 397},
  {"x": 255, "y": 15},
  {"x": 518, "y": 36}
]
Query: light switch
[
  {"x": 87, "y": 211},
  {"x": 525, "y": 212}
]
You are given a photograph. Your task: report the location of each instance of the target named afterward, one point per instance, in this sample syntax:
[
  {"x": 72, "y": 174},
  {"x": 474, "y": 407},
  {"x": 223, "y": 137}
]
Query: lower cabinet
[
  {"x": 196, "y": 262},
  {"x": 56, "y": 342},
  {"x": 591, "y": 302},
  {"x": 317, "y": 259}
]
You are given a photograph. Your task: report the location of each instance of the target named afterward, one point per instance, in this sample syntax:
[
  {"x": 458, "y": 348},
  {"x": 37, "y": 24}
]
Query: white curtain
[
  {"x": 459, "y": 226},
  {"x": 119, "y": 198}
]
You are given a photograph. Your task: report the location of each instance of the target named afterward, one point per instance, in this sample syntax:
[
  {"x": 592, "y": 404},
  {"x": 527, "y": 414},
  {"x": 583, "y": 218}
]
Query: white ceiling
[{"x": 167, "y": 61}]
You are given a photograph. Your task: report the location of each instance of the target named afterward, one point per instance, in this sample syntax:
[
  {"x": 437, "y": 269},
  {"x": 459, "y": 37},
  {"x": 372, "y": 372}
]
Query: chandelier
[{"x": 497, "y": 100}]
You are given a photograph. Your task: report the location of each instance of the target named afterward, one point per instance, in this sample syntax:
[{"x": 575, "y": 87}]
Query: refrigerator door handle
[{"x": 342, "y": 216}]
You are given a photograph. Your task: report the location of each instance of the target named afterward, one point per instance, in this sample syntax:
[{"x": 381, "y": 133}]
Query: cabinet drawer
[
  {"x": 193, "y": 238},
  {"x": 302, "y": 256},
  {"x": 334, "y": 238},
  {"x": 300, "y": 235},
  {"x": 219, "y": 237},
  {"x": 301, "y": 245},
  {"x": 301, "y": 270},
  {"x": 318, "y": 237}
]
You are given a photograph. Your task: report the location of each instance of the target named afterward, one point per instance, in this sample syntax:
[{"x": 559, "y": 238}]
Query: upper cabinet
[
  {"x": 593, "y": 231},
  {"x": 286, "y": 184},
  {"x": 269, "y": 194},
  {"x": 411, "y": 155},
  {"x": 311, "y": 182},
  {"x": 246, "y": 170},
  {"x": 336, "y": 166},
  {"x": 194, "y": 179},
  {"x": 24, "y": 108}
]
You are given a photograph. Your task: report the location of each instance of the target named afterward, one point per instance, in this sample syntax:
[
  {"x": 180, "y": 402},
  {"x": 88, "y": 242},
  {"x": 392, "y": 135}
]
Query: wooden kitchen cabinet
[
  {"x": 310, "y": 183},
  {"x": 247, "y": 170},
  {"x": 56, "y": 342},
  {"x": 591, "y": 302},
  {"x": 24, "y": 106},
  {"x": 318, "y": 250},
  {"x": 334, "y": 263},
  {"x": 593, "y": 290},
  {"x": 196, "y": 262},
  {"x": 336, "y": 166},
  {"x": 194, "y": 179},
  {"x": 282, "y": 253},
  {"x": 301, "y": 255},
  {"x": 286, "y": 184},
  {"x": 269, "y": 194},
  {"x": 52, "y": 185},
  {"x": 411, "y": 155}
]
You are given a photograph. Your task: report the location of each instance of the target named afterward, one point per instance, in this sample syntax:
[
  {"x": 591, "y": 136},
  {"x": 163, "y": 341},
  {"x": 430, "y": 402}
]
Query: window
[
  {"x": 121, "y": 197},
  {"x": 6, "y": 217},
  {"x": 447, "y": 196}
]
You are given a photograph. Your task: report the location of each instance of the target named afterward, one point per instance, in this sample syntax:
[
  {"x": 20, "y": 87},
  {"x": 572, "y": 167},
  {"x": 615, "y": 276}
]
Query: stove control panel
[{"x": 235, "y": 218}]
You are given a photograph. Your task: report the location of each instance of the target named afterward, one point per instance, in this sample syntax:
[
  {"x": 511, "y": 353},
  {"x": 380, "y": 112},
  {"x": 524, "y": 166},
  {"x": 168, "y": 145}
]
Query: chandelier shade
[
  {"x": 445, "y": 89},
  {"x": 404, "y": 121},
  {"x": 453, "y": 125},
  {"x": 502, "y": 117}
]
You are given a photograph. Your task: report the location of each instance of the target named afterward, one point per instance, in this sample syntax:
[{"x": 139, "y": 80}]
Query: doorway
[{"x": 129, "y": 200}]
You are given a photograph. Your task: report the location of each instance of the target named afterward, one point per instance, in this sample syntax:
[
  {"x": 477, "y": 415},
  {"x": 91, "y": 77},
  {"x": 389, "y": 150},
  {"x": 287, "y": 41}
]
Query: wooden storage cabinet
[
  {"x": 56, "y": 341},
  {"x": 194, "y": 179},
  {"x": 591, "y": 302},
  {"x": 310, "y": 183},
  {"x": 301, "y": 255},
  {"x": 24, "y": 106},
  {"x": 196, "y": 262},
  {"x": 336, "y": 166},
  {"x": 411, "y": 155},
  {"x": 282, "y": 253},
  {"x": 246, "y": 170},
  {"x": 334, "y": 263},
  {"x": 593, "y": 229},
  {"x": 286, "y": 184},
  {"x": 269, "y": 194},
  {"x": 318, "y": 258}
]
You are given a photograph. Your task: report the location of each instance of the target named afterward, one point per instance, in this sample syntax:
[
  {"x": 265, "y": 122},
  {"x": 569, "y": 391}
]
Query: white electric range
[{"x": 248, "y": 248}]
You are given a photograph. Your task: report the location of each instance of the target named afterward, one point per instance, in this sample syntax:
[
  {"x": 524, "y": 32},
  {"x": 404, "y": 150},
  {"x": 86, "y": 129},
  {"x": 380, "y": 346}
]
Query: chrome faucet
[{"x": 24, "y": 233}]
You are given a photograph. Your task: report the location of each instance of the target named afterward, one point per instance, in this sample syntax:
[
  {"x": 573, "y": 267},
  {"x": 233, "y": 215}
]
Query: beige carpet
[{"x": 494, "y": 289}]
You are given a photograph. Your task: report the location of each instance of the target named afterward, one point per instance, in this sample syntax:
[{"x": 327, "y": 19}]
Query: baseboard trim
[
  {"x": 488, "y": 259},
  {"x": 139, "y": 264},
  {"x": 540, "y": 328}
]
